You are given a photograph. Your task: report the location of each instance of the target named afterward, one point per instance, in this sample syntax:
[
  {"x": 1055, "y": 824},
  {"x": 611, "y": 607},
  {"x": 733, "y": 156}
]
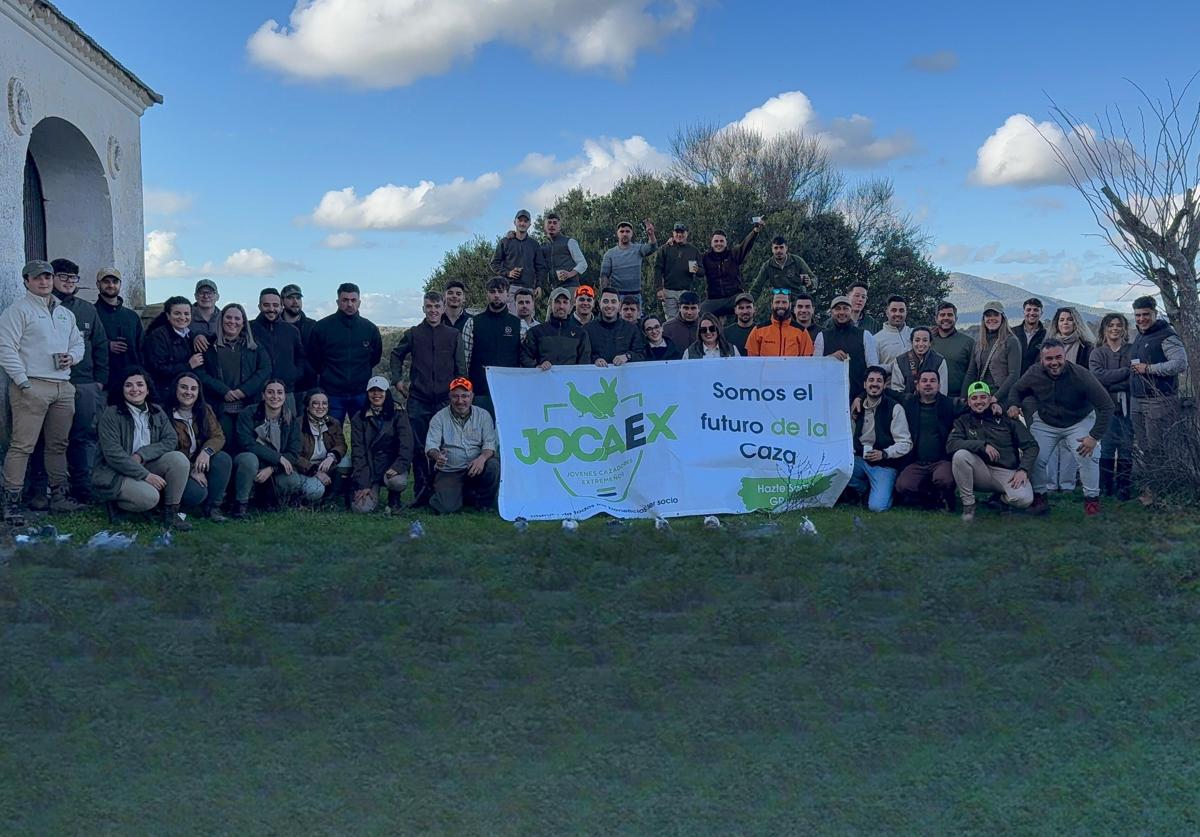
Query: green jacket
[
  {"x": 772, "y": 275},
  {"x": 1015, "y": 444},
  {"x": 115, "y": 459}
]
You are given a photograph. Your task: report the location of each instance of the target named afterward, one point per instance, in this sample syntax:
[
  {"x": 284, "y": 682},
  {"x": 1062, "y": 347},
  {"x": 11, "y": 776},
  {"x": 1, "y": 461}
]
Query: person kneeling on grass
[
  {"x": 381, "y": 443},
  {"x": 461, "y": 446},
  {"x": 322, "y": 443},
  {"x": 202, "y": 441},
  {"x": 271, "y": 436},
  {"x": 139, "y": 466},
  {"x": 990, "y": 451},
  {"x": 882, "y": 441}
]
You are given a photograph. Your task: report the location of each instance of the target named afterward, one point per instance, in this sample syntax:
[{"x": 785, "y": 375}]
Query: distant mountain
[{"x": 971, "y": 293}]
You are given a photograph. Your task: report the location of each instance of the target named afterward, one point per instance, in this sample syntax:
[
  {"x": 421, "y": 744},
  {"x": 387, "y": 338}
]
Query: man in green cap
[
  {"x": 990, "y": 451},
  {"x": 39, "y": 343}
]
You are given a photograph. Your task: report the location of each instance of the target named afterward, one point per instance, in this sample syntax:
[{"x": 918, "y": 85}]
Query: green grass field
[{"x": 314, "y": 673}]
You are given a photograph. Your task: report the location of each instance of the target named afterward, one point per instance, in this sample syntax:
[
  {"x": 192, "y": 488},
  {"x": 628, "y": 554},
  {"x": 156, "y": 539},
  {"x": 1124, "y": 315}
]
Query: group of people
[{"x": 207, "y": 396}]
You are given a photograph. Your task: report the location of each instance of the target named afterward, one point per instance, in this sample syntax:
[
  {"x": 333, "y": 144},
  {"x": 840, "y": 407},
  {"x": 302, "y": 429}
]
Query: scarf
[{"x": 1071, "y": 345}]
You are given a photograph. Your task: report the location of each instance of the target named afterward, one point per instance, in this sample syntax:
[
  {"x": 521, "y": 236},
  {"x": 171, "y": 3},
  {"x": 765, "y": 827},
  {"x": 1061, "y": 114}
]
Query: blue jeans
[
  {"x": 878, "y": 478},
  {"x": 341, "y": 406}
]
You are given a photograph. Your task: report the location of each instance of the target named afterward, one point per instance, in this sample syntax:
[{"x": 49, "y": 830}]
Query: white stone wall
[{"x": 60, "y": 82}]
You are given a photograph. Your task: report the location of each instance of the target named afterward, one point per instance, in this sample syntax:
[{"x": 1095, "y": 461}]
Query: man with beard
[
  {"x": 739, "y": 330},
  {"x": 990, "y": 451},
  {"x": 895, "y": 338},
  {"x": 682, "y": 329},
  {"x": 122, "y": 326},
  {"x": 784, "y": 270},
  {"x": 561, "y": 340},
  {"x": 614, "y": 341},
  {"x": 525, "y": 304},
  {"x": 1062, "y": 400},
  {"x": 930, "y": 414},
  {"x": 953, "y": 345},
  {"x": 565, "y": 264},
  {"x": 491, "y": 338},
  {"x": 882, "y": 441},
  {"x": 780, "y": 337},
  {"x": 621, "y": 267},
  {"x": 282, "y": 342}
]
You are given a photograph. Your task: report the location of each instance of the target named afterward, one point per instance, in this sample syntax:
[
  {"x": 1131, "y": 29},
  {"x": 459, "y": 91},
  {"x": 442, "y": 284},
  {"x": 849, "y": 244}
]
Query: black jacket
[
  {"x": 343, "y": 352},
  {"x": 1030, "y": 348},
  {"x": 667, "y": 352},
  {"x": 723, "y": 271},
  {"x": 495, "y": 341},
  {"x": 437, "y": 359},
  {"x": 121, "y": 323},
  {"x": 379, "y": 443},
  {"x": 94, "y": 366},
  {"x": 620, "y": 337},
  {"x": 284, "y": 346},
  {"x": 562, "y": 342},
  {"x": 167, "y": 355}
]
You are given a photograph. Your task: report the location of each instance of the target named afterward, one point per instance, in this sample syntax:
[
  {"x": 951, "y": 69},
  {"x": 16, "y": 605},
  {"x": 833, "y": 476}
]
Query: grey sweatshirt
[{"x": 622, "y": 266}]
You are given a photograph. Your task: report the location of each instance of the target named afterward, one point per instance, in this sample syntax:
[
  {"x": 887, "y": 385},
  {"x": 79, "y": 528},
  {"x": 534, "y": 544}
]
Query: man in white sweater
[
  {"x": 39, "y": 343},
  {"x": 895, "y": 338}
]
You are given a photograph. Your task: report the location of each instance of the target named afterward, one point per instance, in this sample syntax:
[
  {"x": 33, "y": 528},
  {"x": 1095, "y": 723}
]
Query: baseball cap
[
  {"x": 206, "y": 283},
  {"x": 839, "y": 300},
  {"x": 107, "y": 271},
  {"x": 978, "y": 387},
  {"x": 679, "y": 227},
  {"x": 522, "y": 213},
  {"x": 585, "y": 290},
  {"x": 689, "y": 298},
  {"x": 557, "y": 292},
  {"x": 36, "y": 268},
  {"x": 994, "y": 305},
  {"x": 378, "y": 382},
  {"x": 461, "y": 383},
  {"x": 291, "y": 290},
  {"x": 743, "y": 297}
]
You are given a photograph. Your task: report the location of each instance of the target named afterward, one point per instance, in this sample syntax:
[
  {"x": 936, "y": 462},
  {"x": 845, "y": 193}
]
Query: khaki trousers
[
  {"x": 140, "y": 496},
  {"x": 972, "y": 473},
  {"x": 45, "y": 407}
]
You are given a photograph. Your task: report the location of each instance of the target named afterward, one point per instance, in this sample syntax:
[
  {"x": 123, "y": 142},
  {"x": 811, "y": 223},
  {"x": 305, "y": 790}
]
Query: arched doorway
[{"x": 68, "y": 211}]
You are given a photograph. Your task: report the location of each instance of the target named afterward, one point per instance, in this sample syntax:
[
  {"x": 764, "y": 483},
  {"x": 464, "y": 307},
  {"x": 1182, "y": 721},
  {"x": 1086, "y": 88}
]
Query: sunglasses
[
  {"x": 784, "y": 291},
  {"x": 707, "y": 330}
]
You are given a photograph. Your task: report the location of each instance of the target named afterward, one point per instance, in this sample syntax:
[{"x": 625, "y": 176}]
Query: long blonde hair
[
  {"x": 247, "y": 336},
  {"x": 982, "y": 347}
]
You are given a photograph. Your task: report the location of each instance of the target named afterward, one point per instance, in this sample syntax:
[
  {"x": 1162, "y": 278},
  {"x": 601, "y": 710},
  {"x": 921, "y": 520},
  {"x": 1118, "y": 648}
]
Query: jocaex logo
[{"x": 597, "y": 458}]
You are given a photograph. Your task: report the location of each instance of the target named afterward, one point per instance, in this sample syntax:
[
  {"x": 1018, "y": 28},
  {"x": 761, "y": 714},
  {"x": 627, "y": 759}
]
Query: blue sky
[{"x": 499, "y": 104}]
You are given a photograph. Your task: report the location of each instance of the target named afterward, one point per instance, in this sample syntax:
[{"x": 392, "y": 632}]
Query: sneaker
[
  {"x": 1039, "y": 506},
  {"x": 1091, "y": 506},
  {"x": 968, "y": 513}
]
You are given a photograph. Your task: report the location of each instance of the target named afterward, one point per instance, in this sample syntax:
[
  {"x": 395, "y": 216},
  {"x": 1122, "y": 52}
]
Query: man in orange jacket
[{"x": 781, "y": 337}]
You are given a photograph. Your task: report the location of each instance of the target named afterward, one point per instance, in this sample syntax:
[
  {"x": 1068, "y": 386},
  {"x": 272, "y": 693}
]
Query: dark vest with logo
[
  {"x": 496, "y": 342},
  {"x": 849, "y": 339},
  {"x": 1148, "y": 348}
]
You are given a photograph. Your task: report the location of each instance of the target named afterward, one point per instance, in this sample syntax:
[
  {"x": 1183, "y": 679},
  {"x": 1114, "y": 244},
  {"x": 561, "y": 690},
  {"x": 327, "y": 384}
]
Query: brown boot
[
  {"x": 14, "y": 513},
  {"x": 172, "y": 520},
  {"x": 61, "y": 502}
]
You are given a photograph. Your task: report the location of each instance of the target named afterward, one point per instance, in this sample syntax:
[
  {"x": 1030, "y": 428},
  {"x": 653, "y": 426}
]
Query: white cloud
[
  {"x": 1042, "y": 256},
  {"x": 342, "y": 241},
  {"x": 1022, "y": 153},
  {"x": 850, "y": 140},
  {"x": 964, "y": 253},
  {"x": 398, "y": 309},
  {"x": 165, "y": 202},
  {"x": 603, "y": 164},
  {"x": 942, "y": 61},
  {"x": 391, "y": 43},
  {"x": 426, "y": 206},
  {"x": 541, "y": 165},
  {"x": 163, "y": 261}
]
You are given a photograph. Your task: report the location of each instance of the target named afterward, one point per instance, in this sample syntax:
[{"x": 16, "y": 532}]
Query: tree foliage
[{"x": 721, "y": 179}]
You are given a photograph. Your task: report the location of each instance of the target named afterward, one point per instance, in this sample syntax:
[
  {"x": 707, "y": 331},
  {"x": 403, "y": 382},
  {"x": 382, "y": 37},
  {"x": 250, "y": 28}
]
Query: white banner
[{"x": 672, "y": 438}]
